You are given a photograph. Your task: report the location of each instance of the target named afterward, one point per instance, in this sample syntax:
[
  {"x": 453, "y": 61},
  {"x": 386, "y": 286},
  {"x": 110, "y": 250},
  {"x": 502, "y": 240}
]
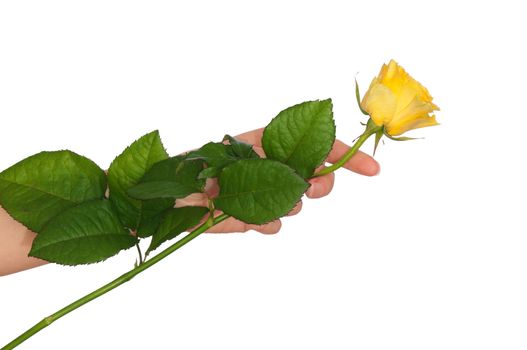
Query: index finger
[
  {"x": 360, "y": 163},
  {"x": 253, "y": 137}
]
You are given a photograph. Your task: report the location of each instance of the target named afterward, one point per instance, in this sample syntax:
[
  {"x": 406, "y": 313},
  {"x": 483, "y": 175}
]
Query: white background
[{"x": 431, "y": 254}]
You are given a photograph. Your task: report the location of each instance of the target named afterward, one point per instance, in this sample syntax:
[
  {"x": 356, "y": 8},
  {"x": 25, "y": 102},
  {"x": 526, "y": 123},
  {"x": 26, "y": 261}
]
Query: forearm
[{"x": 15, "y": 243}]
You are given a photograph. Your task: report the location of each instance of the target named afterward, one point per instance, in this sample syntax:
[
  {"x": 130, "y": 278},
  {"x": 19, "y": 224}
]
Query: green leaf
[
  {"x": 126, "y": 171},
  {"x": 171, "y": 178},
  {"x": 36, "y": 189},
  {"x": 88, "y": 233},
  {"x": 257, "y": 191},
  {"x": 218, "y": 155},
  {"x": 301, "y": 136},
  {"x": 210, "y": 172},
  {"x": 152, "y": 212},
  {"x": 175, "y": 221},
  {"x": 239, "y": 149},
  {"x": 215, "y": 154}
]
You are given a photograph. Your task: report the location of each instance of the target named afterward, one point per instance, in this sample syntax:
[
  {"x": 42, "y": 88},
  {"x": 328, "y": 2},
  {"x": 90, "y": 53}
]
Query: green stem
[
  {"x": 371, "y": 129},
  {"x": 114, "y": 284}
]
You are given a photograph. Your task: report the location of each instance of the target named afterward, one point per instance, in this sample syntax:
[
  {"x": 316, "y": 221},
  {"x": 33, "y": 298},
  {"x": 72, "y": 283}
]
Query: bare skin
[{"x": 16, "y": 239}]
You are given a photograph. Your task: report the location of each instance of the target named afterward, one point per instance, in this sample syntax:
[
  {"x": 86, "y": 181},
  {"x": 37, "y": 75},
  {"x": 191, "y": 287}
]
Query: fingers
[
  {"x": 233, "y": 225},
  {"x": 268, "y": 229},
  {"x": 321, "y": 186},
  {"x": 200, "y": 199},
  {"x": 193, "y": 200},
  {"x": 259, "y": 150},
  {"x": 253, "y": 137},
  {"x": 360, "y": 163},
  {"x": 296, "y": 209}
]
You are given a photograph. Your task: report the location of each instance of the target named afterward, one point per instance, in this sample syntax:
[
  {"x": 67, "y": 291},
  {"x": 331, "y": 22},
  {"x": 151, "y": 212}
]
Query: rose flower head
[{"x": 398, "y": 102}]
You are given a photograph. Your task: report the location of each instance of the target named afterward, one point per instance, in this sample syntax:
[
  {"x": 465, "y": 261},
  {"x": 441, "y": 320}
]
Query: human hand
[{"x": 360, "y": 163}]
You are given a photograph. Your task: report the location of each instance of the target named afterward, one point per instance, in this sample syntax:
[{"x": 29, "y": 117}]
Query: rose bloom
[{"x": 398, "y": 102}]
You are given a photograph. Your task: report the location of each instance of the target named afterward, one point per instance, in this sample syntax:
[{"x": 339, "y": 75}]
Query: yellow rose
[{"x": 398, "y": 102}]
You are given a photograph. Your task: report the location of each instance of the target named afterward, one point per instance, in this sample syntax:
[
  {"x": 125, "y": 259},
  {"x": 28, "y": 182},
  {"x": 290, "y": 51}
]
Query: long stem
[
  {"x": 114, "y": 284},
  {"x": 371, "y": 129}
]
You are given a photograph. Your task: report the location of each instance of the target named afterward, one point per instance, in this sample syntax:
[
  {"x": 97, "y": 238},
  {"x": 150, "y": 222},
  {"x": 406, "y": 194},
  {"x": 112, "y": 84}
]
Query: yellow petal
[
  {"x": 405, "y": 97},
  {"x": 405, "y": 119},
  {"x": 383, "y": 73},
  {"x": 413, "y": 109},
  {"x": 419, "y": 122},
  {"x": 403, "y": 85},
  {"x": 380, "y": 103},
  {"x": 393, "y": 76}
]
